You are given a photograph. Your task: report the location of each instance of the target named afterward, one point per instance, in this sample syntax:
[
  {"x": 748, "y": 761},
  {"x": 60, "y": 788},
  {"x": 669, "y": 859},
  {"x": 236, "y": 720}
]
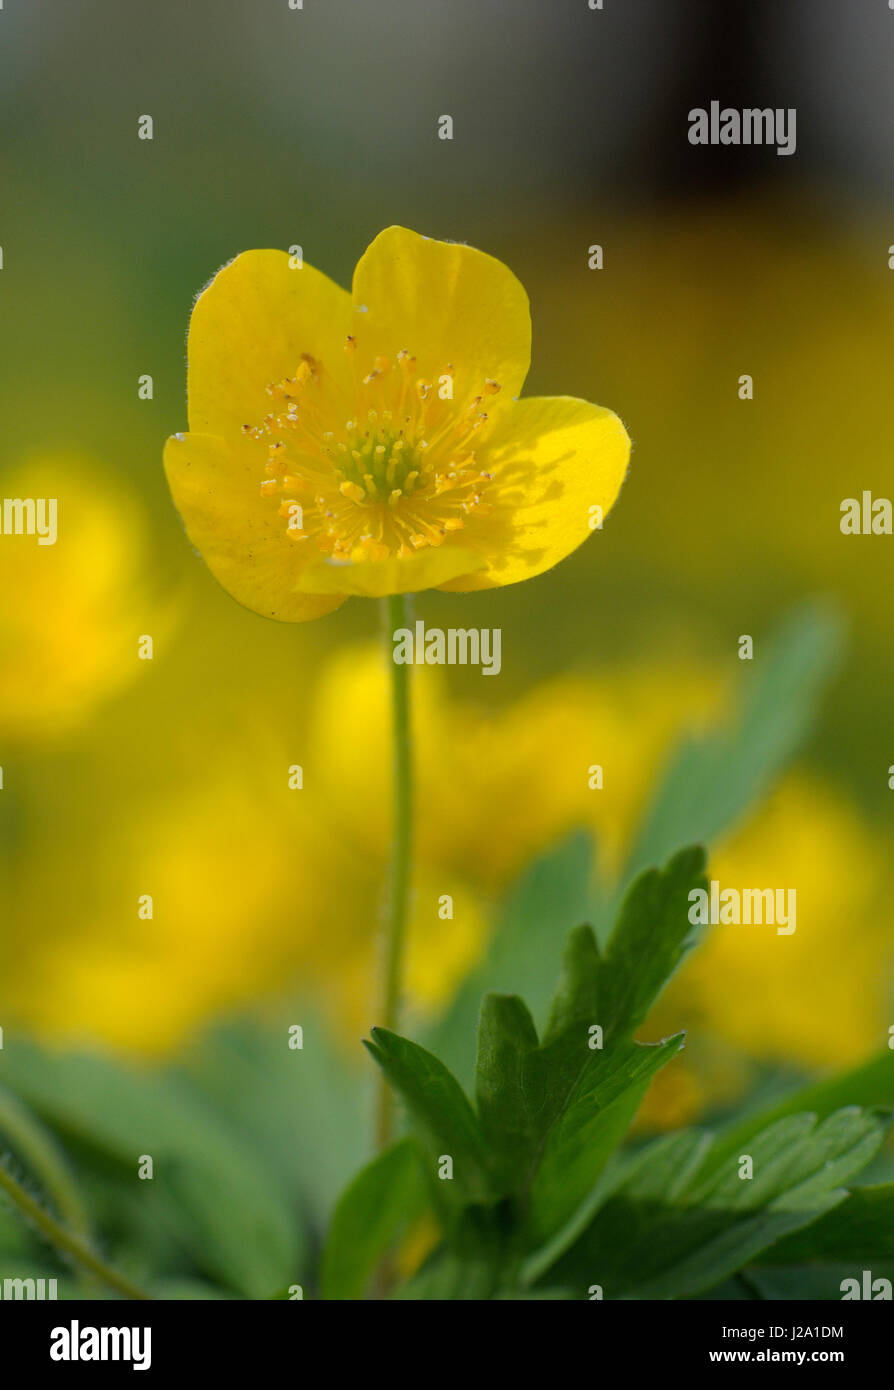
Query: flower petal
[
  {"x": 553, "y": 459},
  {"x": 240, "y": 536},
  {"x": 250, "y": 326},
  {"x": 425, "y": 569},
  {"x": 458, "y": 311}
]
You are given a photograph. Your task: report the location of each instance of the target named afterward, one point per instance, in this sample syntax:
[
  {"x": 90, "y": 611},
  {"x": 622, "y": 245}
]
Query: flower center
[
  {"x": 378, "y": 462},
  {"x": 398, "y": 475}
]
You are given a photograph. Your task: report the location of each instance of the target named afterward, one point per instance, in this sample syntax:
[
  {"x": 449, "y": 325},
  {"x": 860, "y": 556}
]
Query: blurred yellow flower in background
[
  {"x": 71, "y": 611},
  {"x": 819, "y": 996},
  {"x": 259, "y": 890},
  {"x": 495, "y": 786},
  {"x": 253, "y": 892},
  {"x": 396, "y": 456},
  {"x": 225, "y": 904}
]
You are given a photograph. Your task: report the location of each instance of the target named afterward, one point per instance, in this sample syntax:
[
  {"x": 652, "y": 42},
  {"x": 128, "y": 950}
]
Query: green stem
[
  {"x": 38, "y": 1151},
  {"x": 398, "y": 613},
  {"x": 66, "y": 1241}
]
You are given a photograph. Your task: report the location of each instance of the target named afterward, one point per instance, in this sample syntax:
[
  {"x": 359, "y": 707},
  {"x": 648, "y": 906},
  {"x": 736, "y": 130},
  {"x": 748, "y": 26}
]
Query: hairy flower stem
[
  {"x": 39, "y": 1152},
  {"x": 66, "y": 1241},
  {"x": 398, "y": 612}
]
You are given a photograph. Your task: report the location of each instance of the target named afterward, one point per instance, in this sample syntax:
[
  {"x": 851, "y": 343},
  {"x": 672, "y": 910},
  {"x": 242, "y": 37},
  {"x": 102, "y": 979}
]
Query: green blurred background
[{"x": 318, "y": 126}]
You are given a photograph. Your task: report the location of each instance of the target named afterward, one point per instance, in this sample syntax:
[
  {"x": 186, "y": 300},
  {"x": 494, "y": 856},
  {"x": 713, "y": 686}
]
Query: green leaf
[
  {"x": 813, "y": 1282},
  {"x": 523, "y": 1088},
  {"x": 188, "y": 1290},
  {"x": 663, "y": 1170},
  {"x": 572, "y": 1095},
  {"x": 211, "y": 1188},
  {"x": 796, "y": 1157},
  {"x": 861, "y": 1228},
  {"x": 587, "y": 1097},
  {"x": 652, "y": 935},
  {"x": 647, "y": 1244},
  {"x": 576, "y": 1000},
  {"x": 871, "y": 1084},
  {"x": 507, "y": 1109},
  {"x": 471, "y": 1266},
  {"x": 382, "y": 1200},
  {"x": 440, "y": 1109},
  {"x": 713, "y": 780},
  {"x": 596, "y": 1114},
  {"x": 15, "y": 1236},
  {"x": 306, "y": 1110},
  {"x": 551, "y": 1114},
  {"x": 551, "y": 897}
]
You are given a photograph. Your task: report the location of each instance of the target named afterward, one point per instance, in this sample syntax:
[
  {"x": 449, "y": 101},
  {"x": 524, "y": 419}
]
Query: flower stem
[
  {"x": 38, "y": 1151},
  {"x": 398, "y": 612},
  {"x": 65, "y": 1241}
]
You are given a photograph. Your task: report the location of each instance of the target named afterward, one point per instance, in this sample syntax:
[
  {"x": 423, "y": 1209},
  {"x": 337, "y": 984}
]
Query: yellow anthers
[
  {"x": 371, "y": 549},
  {"x": 399, "y": 475}
]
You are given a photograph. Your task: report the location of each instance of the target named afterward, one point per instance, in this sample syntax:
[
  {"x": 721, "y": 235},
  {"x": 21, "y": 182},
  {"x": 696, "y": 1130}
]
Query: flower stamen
[{"x": 397, "y": 476}]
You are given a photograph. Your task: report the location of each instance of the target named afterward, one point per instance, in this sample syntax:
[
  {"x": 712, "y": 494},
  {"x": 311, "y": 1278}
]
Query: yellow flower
[
  {"x": 819, "y": 995},
  {"x": 373, "y": 443},
  {"x": 260, "y": 890},
  {"x": 815, "y": 998},
  {"x": 487, "y": 799},
  {"x": 255, "y": 893},
  {"x": 226, "y": 909},
  {"x": 71, "y": 611}
]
